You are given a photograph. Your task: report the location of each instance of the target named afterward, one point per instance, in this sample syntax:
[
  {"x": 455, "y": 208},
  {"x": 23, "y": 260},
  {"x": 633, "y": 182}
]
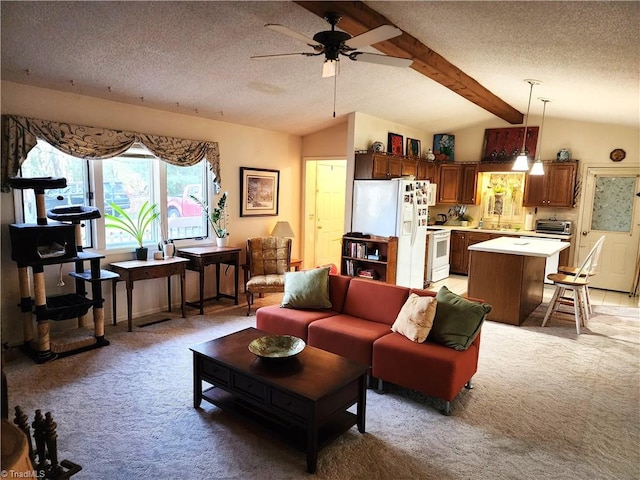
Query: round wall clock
[{"x": 617, "y": 155}]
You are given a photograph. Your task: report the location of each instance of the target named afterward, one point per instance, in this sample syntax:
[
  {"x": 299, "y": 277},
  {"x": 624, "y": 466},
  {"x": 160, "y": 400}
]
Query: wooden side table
[
  {"x": 296, "y": 265},
  {"x": 200, "y": 257},
  {"x": 144, "y": 270}
]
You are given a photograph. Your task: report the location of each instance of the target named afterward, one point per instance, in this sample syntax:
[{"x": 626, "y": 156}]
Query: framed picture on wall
[
  {"x": 413, "y": 147},
  {"x": 259, "y": 192},
  {"x": 394, "y": 144},
  {"x": 444, "y": 147}
]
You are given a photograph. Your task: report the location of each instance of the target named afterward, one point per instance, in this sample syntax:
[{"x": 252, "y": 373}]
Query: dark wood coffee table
[{"x": 304, "y": 399}]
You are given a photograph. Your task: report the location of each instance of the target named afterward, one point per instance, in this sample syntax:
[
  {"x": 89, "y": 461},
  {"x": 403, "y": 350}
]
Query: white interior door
[
  {"x": 330, "y": 203},
  {"x": 611, "y": 208}
]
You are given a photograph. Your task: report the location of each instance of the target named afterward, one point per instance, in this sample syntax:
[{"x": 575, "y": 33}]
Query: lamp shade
[
  {"x": 282, "y": 229},
  {"x": 537, "y": 168},
  {"x": 521, "y": 164}
]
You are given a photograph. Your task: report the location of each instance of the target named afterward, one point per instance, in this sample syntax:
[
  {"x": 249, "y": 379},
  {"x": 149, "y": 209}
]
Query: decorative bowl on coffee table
[{"x": 277, "y": 347}]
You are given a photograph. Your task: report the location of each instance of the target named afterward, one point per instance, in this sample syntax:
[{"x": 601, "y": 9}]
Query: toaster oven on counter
[{"x": 555, "y": 227}]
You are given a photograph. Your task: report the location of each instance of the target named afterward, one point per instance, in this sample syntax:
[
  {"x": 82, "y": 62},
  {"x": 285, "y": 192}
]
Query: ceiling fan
[{"x": 333, "y": 43}]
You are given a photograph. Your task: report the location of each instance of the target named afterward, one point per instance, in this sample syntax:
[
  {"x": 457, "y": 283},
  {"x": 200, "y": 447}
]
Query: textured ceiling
[{"x": 193, "y": 58}]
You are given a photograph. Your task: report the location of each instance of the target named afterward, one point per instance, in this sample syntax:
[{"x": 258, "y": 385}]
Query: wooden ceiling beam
[{"x": 358, "y": 18}]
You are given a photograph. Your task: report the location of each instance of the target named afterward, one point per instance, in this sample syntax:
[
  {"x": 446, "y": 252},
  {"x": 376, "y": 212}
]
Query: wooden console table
[
  {"x": 144, "y": 270},
  {"x": 200, "y": 257}
]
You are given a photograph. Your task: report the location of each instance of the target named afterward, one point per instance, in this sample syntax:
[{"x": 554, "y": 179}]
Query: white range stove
[{"x": 439, "y": 245}]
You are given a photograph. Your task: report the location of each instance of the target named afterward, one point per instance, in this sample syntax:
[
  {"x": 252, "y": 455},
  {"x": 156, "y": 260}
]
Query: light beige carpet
[{"x": 547, "y": 404}]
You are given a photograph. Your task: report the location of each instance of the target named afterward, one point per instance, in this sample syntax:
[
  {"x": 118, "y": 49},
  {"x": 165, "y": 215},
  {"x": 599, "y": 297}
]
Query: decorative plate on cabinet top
[
  {"x": 617, "y": 155},
  {"x": 277, "y": 347}
]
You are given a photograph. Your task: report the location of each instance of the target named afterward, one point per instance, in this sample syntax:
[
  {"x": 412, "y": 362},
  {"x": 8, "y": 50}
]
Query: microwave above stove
[{"x": 556, "y": 227}]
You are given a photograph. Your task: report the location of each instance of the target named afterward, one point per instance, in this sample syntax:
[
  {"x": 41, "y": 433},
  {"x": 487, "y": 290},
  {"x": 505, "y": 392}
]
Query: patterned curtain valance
[{"x": 20, "y": 134}]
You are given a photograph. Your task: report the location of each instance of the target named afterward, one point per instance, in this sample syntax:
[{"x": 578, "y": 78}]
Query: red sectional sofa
[{"x": 358, "y": 326}]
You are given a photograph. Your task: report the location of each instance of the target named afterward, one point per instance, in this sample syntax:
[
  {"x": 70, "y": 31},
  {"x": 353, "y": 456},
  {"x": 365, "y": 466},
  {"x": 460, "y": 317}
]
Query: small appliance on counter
[
  {"x": 441, "y": 219},
  {"x": 556, "y": 227}
]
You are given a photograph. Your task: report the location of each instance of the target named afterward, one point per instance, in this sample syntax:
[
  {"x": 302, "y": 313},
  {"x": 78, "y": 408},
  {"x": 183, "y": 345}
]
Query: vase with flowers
[{"x": 218, "y": 218}]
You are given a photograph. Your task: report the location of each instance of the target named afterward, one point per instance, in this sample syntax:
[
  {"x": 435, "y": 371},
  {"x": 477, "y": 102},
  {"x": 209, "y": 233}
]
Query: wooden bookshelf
[{"x": 373, "y": 257}]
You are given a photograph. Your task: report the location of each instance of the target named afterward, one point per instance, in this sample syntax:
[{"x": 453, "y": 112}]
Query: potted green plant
[
  {"x": 465, "y": 218},
  {"x": 217, "y": 217},
  {"x": 135, "y": 228}
]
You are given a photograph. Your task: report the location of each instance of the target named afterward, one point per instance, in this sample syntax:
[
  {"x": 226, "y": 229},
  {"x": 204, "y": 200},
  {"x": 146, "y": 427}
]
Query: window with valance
[{"x": 20, "y": 134}]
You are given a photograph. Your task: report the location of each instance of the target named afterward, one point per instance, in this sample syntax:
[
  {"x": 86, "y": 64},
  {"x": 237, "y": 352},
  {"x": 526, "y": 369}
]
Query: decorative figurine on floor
[{"x": 45, "y": 456}]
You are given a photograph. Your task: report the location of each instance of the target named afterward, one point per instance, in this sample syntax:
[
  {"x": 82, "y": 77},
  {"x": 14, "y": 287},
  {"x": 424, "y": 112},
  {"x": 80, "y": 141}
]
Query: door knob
[{"x": 584, "y": 233}]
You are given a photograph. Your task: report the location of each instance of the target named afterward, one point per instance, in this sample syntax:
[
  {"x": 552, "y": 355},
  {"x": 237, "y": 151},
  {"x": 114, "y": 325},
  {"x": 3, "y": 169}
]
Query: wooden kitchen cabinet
[
  {"x": 469, "y": 194},
  {"x": 449, "y": 183},
  {"x": 458, "y": 253},
  {"x": 553, "y": 189},
  {"x": 428, "y": 171},
  {"x": 458, "y": 183},
  {"x": 461, "y": 240},
  {"x": 410, "y": 167},
  {"x": 377, "y": 165}
]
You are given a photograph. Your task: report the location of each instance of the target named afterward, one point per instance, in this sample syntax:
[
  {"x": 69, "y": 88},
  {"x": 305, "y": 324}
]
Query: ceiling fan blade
[
  {"x": 293, "y": 34},
  {"x": 380, "y": 59},
  {"x": 281, "y": 55},
  {"x": 376, "y": 35}
]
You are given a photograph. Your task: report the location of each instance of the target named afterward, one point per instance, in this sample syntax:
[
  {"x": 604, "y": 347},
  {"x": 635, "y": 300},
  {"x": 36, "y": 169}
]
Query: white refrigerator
[{"x": 395, "y": 208}]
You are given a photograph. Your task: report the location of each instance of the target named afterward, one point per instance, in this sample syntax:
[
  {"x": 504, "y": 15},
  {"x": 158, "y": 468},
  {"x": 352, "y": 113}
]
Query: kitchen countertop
[
  {"x": 518, "y": 246},
  {"x": 506, "y": 232}
]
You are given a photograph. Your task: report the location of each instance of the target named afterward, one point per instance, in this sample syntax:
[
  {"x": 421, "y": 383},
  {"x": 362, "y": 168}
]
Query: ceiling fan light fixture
[
  {"x": 334, "y": 43},
  {"x": 330, "y": 68},
  {"x": 522, "y": 162}
]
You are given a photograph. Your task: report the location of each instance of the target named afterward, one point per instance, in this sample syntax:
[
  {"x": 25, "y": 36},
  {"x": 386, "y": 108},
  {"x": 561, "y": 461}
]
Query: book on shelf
[
  {"x": 367, "y": 273},
  {"x": 360, "y": 250},
  {"x": 356, "y": 250}
]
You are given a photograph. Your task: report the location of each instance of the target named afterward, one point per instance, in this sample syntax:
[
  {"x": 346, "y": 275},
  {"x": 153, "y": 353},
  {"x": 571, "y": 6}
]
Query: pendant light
[
  {"x": 538, "y": 168},
  {"x": 522, "y": 162}
]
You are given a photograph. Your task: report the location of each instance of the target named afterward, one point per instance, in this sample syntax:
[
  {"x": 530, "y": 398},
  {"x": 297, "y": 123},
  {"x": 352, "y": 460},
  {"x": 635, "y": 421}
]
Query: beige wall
[
  {"x": 239, "y": 146},
  {"x": 328, "y": 143},
  {"x": 371, "y": 129},
  {"x": 588, "y": 142}
]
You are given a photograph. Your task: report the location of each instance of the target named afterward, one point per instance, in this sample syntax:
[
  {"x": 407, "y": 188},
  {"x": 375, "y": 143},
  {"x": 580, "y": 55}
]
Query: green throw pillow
[
  {"x": 307, "y": 289},
  {"x": 458, "y": 320}
]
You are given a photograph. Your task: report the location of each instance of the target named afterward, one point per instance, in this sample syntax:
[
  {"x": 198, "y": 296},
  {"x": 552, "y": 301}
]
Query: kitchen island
[{"x": 508, "y": 273}]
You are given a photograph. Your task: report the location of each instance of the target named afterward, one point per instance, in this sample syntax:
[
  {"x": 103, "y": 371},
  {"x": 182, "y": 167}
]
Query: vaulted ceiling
[{"x": 470, "y": 59}]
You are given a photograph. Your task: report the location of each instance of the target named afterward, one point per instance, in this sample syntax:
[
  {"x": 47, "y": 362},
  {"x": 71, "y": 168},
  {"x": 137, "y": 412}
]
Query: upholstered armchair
[{"x": 268, "y": 259}]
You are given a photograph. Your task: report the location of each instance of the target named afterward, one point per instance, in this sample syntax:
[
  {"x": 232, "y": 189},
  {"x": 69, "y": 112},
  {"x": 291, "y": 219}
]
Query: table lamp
[{"x": 282, "y": 229}]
